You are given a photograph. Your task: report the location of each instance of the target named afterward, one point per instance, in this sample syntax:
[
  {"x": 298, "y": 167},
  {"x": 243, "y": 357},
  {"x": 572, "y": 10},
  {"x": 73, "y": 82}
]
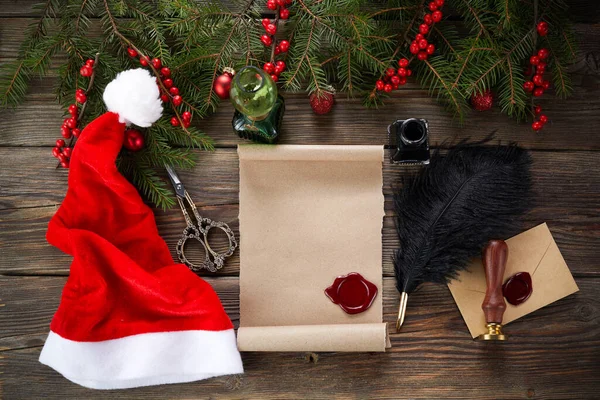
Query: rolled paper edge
[{"x": 340, "y": 337}]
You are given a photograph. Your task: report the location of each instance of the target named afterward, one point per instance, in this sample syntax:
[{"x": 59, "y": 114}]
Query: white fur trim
[
  {"x": 145, "y": 359},
  {"x": 134, "y": 95}
]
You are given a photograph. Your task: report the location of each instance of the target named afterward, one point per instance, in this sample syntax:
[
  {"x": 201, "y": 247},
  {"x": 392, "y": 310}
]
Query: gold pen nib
[{"x": 401, "y": 310}]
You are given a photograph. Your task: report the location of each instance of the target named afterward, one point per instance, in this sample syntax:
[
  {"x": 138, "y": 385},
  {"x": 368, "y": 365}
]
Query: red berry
[
  {"x": 436, "y": 16},
  {"x": 279, "y": 67},
  {"x": 427, "y": 19},
  {"x": 387, "y": 88},
  {"x": 186, "y": 124},
  {"x": 534, "y": 60},
  {"x": 85, "y": 71},
  {"x": 408, "y": 72},
  {"x": 546, "y": 85},
  {"x": 65, "y": 132},
  {"x": 396, "y": 85},
  {"x": 156, "y": 63},
  {"x": 401, "y": 71},
  {"x": 541, "y": 68},
  {"x": 56, "y": 151},
  {"x": 80, "y": 97},
  {"x": 132, "y": 52},
  {"x": 542, "y": 28},
  {"x": 174, "y": 91},
  {"x": 537, "y": 109},
  {"x": 67, "y": 151},
  {"x": 269, "y": 68},
  {"x": 186, "y": 116},
  {"x": 537, "y": 125},
  {"x": 274, "y": 77},
  {"x": 284, "y": 45},
  {"x": 177, "y": 100},
  {"x": 266, "y": 40},
  {"x": 538, "y": 91},
  {"x": 71, "y": 123},
  {"x": 168, "y": 83},
  {"x": 414, "y": 48},
  {"x": 164, "y": 98},
  {"x": 280, "y": 3},
  {"x": 419, "y": 37},
  {"x": 422, "y": 55},
  {"x": 60, "y": 143},
  {"x": 528, "y": 86},
  {"x": 543, "y": 119},
  {"x": 433, "y": 6},
  {"x": 430, "y": 49},
  {"x": 395, "y": 80},
  {"x": 390, "y": 72},
  {"x": 538, "y": 80},
  {"x": 543, "y": 53},
  {"x": 403, "y": 80},
  {"x": 61, "y": 157},
  {"x": 284, "y": 13},
  {"x": 144, "y": 61},
  {"x": 439, "y": 3},
  {"x": 271, "y": 29},
  {"x": 379, "y": 84},
  {"x": 265, "y": 22},
  {"x": 272, "y": 5},
  {"x": 76, "y": 132},
  {"x": 73, "y": 110},
  {"x": 403, "y": 63},
  {"x": 423, "y": 29},
  {"x": 277, "y": 50},
  {"x": 165, "y": 72},
  {"x": 174, "y": 121},
  {"x": 64, "y": 164},
  {"x": 423, "y": 44}
]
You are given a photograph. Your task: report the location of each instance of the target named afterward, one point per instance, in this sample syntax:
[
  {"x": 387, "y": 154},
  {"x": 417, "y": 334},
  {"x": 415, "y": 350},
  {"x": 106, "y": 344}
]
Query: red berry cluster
[
  {"x": 420, "y": 47},
  {"x": 275, "y": 68},
  {"x": 394, "y": 78},
  {"x": 537, "y": 85},
  {"x": 168, "y": 90},
  {"x": 69, "y": 129}
]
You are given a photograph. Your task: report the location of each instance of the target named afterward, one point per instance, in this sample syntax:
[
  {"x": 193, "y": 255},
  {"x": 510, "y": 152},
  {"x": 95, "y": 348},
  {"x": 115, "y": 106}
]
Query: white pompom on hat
[{"x": 135, "y": 97}]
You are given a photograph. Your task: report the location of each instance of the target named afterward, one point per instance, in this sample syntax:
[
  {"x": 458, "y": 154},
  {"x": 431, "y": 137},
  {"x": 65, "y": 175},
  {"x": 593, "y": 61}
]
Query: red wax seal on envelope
[
  {"x": 353, "y": 293},
  {"x": 517, "y": 288}
]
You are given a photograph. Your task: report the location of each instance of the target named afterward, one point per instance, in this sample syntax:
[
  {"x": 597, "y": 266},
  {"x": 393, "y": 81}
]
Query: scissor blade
[{"x": 179, "y": 189}]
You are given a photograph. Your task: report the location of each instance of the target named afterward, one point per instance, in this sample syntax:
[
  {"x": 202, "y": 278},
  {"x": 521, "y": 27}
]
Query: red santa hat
[{"x": 128, "y": 316}]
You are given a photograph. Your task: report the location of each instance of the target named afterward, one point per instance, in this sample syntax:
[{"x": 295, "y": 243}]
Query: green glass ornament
[{"x": 259, "y": 108}]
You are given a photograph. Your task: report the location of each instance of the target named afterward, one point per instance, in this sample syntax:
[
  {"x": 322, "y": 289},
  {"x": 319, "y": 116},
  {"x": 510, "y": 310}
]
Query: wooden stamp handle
[{"x": 495, "y": 255}]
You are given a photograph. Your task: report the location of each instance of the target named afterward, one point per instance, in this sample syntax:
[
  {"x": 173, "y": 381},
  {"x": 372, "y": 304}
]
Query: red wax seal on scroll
[
  {"x": 353, "y": 293},
  {"x": 517, "y": 288}
]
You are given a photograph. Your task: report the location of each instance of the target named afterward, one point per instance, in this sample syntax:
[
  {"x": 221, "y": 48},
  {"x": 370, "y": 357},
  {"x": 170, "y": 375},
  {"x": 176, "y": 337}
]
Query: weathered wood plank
[
  {"x": 566, "y": 183},
  {"x": 37, "y": 122},
  {"x": 552, "y": 353}
]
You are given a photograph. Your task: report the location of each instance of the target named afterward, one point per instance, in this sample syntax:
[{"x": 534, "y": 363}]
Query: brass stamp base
[{"x": 494, "y": 333}]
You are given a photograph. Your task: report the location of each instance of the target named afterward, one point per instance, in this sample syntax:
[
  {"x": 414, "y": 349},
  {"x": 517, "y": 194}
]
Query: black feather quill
[{"x": 453, "y": 207}]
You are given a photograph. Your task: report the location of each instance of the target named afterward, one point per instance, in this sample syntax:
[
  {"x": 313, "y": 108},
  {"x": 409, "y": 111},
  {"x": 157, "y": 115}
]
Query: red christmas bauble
[
  {"x": 482, "y": 101},
  {"x": 223, "y": 85},
  {"x": 133, "y": 140},
  {"x": 322, "y": 104}
]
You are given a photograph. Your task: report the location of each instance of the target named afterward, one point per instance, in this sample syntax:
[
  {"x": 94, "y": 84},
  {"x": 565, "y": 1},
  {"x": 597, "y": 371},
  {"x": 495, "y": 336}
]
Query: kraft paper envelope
[{"x": 533, "y": 251}]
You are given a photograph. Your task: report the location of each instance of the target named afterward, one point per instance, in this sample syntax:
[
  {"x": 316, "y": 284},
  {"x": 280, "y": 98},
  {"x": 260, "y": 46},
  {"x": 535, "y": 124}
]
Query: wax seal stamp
[
  {"x": 495, "y": 255},
  {"x": 517, "y": 288},
  {"x": 353, "y": 293}
]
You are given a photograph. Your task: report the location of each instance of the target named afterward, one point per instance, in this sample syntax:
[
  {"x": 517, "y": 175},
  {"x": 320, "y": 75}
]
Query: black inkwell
[{"x": 410, "y": 139}]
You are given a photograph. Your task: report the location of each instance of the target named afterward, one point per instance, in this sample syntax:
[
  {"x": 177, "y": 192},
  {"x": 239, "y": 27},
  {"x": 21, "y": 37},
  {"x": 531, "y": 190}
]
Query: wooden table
[{"x": 552, "y": 353}]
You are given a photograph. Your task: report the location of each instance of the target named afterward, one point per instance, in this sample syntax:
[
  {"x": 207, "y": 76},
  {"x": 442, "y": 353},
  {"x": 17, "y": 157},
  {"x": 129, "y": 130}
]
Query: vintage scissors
[{"x": 213, "y": 260}]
